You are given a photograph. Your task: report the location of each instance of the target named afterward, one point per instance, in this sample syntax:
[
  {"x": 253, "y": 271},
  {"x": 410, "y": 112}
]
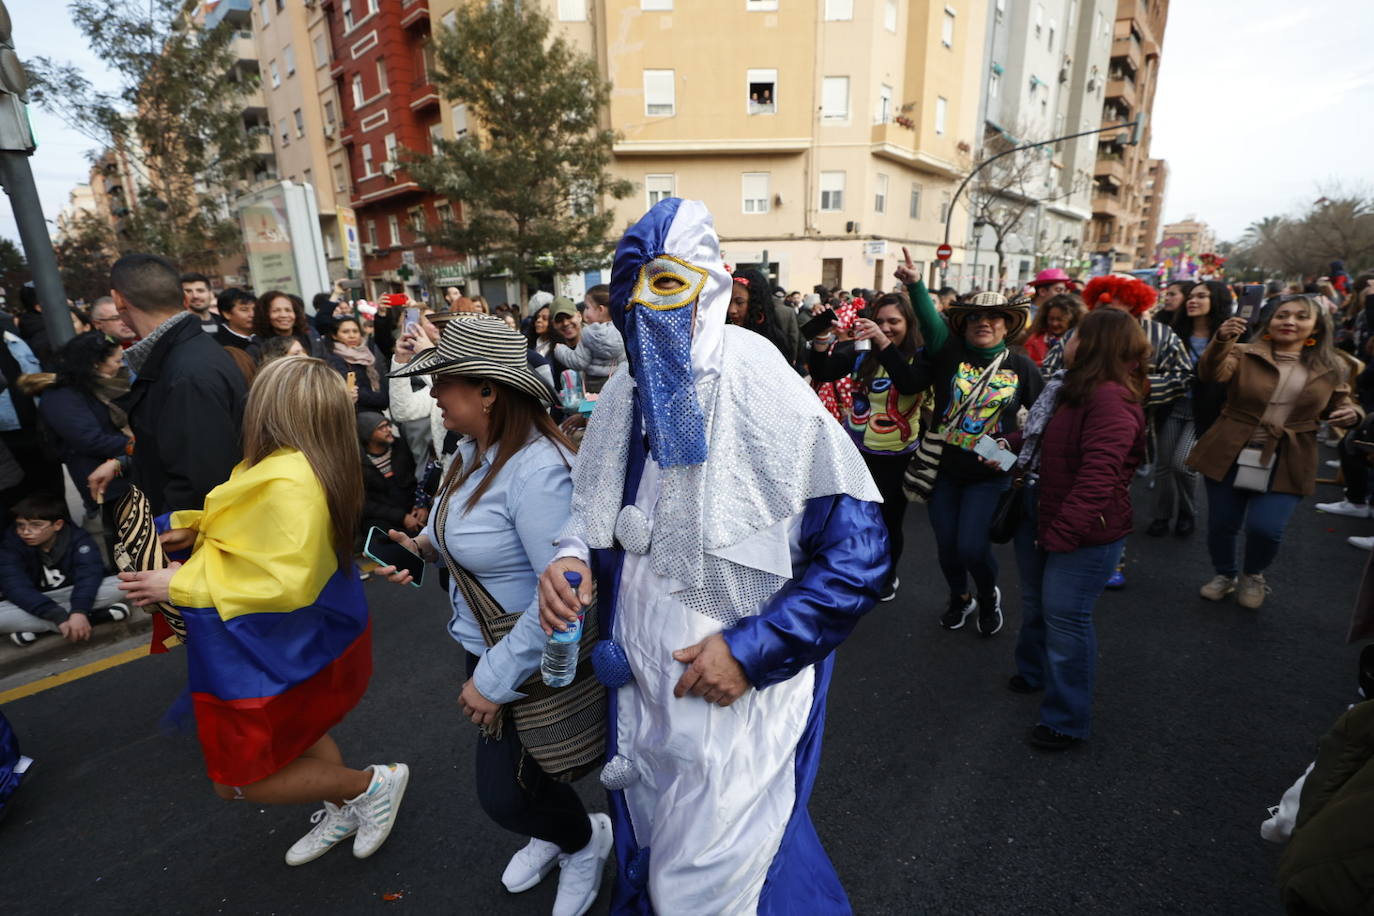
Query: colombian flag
[{"x": 278, "y": 641}]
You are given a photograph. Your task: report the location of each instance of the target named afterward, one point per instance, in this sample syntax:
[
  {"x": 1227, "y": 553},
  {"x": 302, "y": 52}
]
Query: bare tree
[{"x": 1339, "y": 225}]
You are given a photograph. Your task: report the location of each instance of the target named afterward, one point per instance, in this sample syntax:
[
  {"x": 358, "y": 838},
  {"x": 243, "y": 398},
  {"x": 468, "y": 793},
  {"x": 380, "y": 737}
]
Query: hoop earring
[{"x": 1310, "y": 342}]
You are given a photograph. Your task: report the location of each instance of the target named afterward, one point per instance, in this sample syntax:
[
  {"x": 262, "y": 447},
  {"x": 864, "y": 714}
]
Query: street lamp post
[
  {"x": 1136, "y": 127},
  {"x": 978, "y": 225}
]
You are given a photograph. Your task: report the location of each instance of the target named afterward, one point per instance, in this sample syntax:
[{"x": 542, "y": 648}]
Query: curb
[{"x": 51, "y": 649}]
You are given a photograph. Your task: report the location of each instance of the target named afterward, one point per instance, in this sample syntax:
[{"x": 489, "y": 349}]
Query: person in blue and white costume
[{"x": 736, "y": 539}]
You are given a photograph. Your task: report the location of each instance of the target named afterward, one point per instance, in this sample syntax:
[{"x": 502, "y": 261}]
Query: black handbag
[{"x": 1011, "y": 509}]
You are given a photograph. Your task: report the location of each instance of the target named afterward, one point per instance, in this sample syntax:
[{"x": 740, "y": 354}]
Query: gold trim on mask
[{"x": 667, "y": 267}]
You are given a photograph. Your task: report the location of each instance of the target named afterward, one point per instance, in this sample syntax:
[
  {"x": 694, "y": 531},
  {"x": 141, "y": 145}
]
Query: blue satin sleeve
[{"x": 847, "y": 562}]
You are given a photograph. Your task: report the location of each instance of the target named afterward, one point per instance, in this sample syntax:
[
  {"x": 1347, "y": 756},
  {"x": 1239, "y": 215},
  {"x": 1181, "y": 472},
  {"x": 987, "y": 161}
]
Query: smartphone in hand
[
  {"x": 381, "y": 548},
  {"x": 987, "y": 448},
  {"x": 819, "y": 324}
]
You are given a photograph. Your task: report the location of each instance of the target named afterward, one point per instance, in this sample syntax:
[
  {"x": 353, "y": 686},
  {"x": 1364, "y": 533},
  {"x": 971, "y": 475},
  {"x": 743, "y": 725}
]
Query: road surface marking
[{"x": 74, "y": 674}]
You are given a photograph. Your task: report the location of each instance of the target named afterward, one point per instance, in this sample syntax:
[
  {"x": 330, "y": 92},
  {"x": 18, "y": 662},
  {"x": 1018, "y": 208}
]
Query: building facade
[
  {"x": 1152, "y": 211},
  {"x": 1122, "y": 169},
  {"x": 1192, "y": 235}
]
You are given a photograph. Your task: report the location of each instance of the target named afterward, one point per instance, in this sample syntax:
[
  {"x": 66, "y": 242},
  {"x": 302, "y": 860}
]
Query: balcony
[
  {"x": 244, "y": 48},
  {"x": 1129, "y": 49},
  {"x": 239, "y": 12},
  {"x": 414, "y": 14},
  {"x": 1112, "y": 170}
]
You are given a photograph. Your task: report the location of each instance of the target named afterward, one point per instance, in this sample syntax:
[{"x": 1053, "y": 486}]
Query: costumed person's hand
[
  {"x": 906, "y": 271},
  {"x": 419, "y": 546},
  {"x": 559, "y": 605},
  {"x": 712, "y": 672},
  {"x": 101, "y": 478},
  {"x": 868, "y": 330},
  {"x": 1344, "y": 416},
  {"x": 76, "y": 628},
  {"x": 477, "y": 707},
  {"x": 148, "y": 587},
  {"x": 1232, "y": 328},
  {"x": 178, "y": 539}
]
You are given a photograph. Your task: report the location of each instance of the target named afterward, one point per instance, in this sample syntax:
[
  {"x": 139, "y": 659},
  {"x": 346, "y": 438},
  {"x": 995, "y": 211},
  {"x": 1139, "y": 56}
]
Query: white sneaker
[
  {"x": 118, "y": 611},
  {"x": 1333, "y": 463},
  {"x": 23, "y": 640},
  {"x": 332, "y": 825},
  {"x": 580, "y": 880},
  {"x": 1345, "y": 507},
  {"x": 1362, "y": 543},
  {"x": 376, "y": 808},
  {"x": 891, "y": 590},
  {"x": 530, "y": 865}
]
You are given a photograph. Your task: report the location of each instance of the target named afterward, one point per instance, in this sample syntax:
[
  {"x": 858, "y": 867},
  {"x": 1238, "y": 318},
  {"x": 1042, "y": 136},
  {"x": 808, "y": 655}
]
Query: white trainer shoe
[
  {"x": 333, "y": 825},
  {"x": 376, "y": 808},
  {"x": 1362, "y": 543},
  {"x": 1345, "y": 507},
  {"x": 580, "y": 880},
  {"x": 530, "y": 865}
]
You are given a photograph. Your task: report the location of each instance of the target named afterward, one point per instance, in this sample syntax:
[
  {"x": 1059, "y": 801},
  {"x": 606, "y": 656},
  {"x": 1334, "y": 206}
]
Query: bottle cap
[{"x": 574, "y": 579}]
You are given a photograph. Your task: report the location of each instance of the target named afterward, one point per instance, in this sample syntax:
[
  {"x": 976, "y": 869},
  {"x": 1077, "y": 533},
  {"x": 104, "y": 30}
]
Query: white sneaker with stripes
[
  {"x": 332, "y": 825},
  {"x": 376, "y": 808}
]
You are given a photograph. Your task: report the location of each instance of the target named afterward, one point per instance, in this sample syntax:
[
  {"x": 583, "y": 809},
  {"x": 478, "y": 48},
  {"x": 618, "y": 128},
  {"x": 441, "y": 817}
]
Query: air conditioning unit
[
  {"x": 389, "y": 169},
  {"x": 330, "y": 129},
  {"x": 369, "y": 248}
]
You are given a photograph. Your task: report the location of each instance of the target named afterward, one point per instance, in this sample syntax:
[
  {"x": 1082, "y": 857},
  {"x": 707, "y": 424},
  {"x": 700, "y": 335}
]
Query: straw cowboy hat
[
  {"x": 480, "y": 346},
  {"x": 1017, "y": 313}
]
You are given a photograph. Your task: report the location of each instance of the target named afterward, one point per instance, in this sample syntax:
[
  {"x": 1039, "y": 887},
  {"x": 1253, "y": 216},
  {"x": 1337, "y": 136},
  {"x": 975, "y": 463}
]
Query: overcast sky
[{"x": 1259, "y": 103}]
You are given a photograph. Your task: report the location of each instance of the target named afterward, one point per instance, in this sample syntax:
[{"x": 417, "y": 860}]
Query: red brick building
[{"x": 381, "y": 70}]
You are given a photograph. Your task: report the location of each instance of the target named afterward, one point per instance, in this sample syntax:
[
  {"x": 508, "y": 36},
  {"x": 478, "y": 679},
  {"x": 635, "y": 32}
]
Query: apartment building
[
  {"x": 294, "y": 56},
  {"x": 1190, "y": 236},
  {"x": 1044, "y": 78},
  {"x": 823, "y": 136},
  {"x": 1122, "y": 170},
  {"x": 79, "y": 206},
  {"x": 1152, "y": 211},
  {"x": 386, "y": 104}
]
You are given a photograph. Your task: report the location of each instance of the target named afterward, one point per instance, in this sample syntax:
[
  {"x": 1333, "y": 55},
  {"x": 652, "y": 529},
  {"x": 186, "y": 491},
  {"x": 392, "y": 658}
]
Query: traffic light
[
  {"x": 15, "y": 130},
  {"x": 1138, "y": 128}
]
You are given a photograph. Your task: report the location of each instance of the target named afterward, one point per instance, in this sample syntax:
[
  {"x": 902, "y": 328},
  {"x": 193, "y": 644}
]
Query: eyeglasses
[{"x": 35, "y": 527}]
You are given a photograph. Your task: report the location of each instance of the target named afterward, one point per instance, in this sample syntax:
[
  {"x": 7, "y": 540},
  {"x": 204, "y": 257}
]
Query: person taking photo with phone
[
  {"x": 278, "y": 639},
  {"x": 1260, "y": 457},
  {"x": 504, "y": 501}
]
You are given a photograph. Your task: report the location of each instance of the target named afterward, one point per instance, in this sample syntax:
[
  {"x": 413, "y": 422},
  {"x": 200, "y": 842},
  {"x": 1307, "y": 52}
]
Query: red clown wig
[{"x": 1137, "y": 294}]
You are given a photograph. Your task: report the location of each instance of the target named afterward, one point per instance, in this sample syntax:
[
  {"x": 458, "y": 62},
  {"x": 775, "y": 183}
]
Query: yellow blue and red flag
[{"x": 278, "y": 639}]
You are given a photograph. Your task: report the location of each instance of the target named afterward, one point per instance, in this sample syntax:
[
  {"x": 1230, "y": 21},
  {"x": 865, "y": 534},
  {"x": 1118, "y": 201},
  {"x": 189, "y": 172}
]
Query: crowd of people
[{"x": 719, "y": 552}]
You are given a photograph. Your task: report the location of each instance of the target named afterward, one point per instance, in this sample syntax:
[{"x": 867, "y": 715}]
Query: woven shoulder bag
[{"x": 137, "y": 549}]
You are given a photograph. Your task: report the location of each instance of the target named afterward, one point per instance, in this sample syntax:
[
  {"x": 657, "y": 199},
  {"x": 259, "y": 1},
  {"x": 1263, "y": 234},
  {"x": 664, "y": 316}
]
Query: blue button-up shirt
[
  {"x": 506, "y": 541},
  {"x": 9, "y": 418}
]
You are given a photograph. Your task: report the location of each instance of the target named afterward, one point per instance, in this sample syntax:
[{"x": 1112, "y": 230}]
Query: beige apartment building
[
  {"x": 1152, "y": 211},
  {"x": 1192, "y": 235},
  {"x": 823, "y": 136}
]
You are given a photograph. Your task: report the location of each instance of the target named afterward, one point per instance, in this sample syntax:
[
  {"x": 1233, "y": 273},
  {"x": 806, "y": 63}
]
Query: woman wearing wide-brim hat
[
  {"x": 504, "y": 502},
  {"x": 960, "y": 346}
]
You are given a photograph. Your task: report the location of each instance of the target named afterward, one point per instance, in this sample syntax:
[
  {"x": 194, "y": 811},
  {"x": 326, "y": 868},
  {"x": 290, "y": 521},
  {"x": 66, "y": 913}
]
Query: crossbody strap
[{"x": 976, "y": 391}]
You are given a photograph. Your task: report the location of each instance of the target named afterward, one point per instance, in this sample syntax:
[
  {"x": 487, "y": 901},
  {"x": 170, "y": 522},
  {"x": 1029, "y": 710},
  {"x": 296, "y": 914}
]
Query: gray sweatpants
[{"x": 14, "y": 619}]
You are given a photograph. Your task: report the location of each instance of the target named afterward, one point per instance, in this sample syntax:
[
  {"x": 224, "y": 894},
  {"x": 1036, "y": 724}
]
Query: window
[
  {"x": 427, "y": 66},
  {"x": 281, "y": 6},
  {"x": 656, "y": 5},
  {"x": 1053, "y": 26},
  {"x": 1001, "y": 8},
  {"x": 393, "y": 226},
  {"x": 300, "y": 122},
  {"x": 288, "y": 56},
  {"x": 371, "y": 7},
  {"x": 914, "y": 207},
  {"x": 760, "y": 6},
  {"x": 389, "y": 142},
  {"x": 883, "y": 113},
  {"x": 1039, "y": 19},
  {"x": 880, "y": 194},
  {"x": 368, "y": 171},
  {"x": 348, "y": 15},
  {"x": 444, "y": 211},
  {"x": 890, "y": 15},
  {"x": 835, "y": 98},
  {"x": 321, "y": 51},
  {"x": 436, "y": 133},
  {"x": 340, "y": 180},
  {"x": 264, "y": 12},
  {"x": 572, "y": 10},
  {"x": 416, "y": 217},
  {"x": 381, "y": 76},
  {"x": 358, "y": 97},
  {"x": 944, "y": 206},
  {"x": 1101, "y": 25},
  {"x": 837, "y": 10},
  {"x": 947, "y": 28},
  {"x": 660, "y": 93},
  {"x": 372, "y": 232},
  {"x": 284, "y": 131},
  {"x": 331, "y": 123},
  {"x": 763, "y": 89},
  {"x": 309, "y": 178},
  {"x": 273, "y": 73},
  {"x": 460, "y": 120},
  {"x": 994, "y": 84},
  {"x": 941, "y": 107},
  {"x": 657, "y": 187},
  {"x": 450, "y": 20},
  {"x": 754, "y": 188},
  {"x": 832, "y": 191}
]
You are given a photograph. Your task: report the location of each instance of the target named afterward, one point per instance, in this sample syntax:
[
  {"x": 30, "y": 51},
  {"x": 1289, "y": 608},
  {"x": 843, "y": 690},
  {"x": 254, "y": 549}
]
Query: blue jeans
[
  {"x": 961, "y": 514},
  {"x": 1263, "y": 515},
  {"x": 1057, "y": 648}
]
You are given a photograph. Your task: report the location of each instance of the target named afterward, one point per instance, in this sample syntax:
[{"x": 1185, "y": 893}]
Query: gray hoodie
[{"x": 600, "y": 350}]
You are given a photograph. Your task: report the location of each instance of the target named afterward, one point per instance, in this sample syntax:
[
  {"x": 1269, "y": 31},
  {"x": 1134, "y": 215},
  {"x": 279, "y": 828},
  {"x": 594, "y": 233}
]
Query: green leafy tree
[
  {"x": 532, "y": 179},
  {"x": 84, "y": 256},
  {"x": 14, "y": 270},
  {"x": 176, "y": 114},
  {"x": 1339, "y": 225}
]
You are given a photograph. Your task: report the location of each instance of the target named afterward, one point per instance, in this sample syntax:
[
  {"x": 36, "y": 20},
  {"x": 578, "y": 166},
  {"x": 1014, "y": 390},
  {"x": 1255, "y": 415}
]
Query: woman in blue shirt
[{"x": 504, "y": 502}]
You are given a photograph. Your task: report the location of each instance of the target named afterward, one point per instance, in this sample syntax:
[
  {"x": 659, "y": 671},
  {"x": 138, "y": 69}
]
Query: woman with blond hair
[{"x": 279, "y": 645}]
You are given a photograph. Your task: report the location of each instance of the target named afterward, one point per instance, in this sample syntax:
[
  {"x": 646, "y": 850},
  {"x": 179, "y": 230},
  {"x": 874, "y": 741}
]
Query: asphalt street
[{"x": 929, "y": 801}]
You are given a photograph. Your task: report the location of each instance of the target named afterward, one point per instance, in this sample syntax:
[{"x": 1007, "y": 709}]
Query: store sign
[
  {"x": 348, "y": 238},
  {"x": 267, "y": 242}
]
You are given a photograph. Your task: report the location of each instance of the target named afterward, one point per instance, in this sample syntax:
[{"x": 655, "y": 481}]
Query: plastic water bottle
[{"x": 559, "y": 664}]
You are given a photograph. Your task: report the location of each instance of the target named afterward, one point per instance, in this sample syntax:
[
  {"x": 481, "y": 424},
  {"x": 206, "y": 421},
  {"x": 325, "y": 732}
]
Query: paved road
[{"x": 928, "y": 800}]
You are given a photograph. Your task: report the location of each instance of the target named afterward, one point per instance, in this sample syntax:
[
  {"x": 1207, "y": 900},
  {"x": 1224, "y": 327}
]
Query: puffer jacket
[
  {"x": 1328, "y": 867},
  {"x": 1088, "y": 454}
]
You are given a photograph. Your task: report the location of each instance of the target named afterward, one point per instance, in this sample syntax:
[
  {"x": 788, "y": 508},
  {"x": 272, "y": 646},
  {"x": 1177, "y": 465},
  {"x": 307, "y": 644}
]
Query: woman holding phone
[
  {"x": 503, "y": 504},
  {"x": 357, "y": 357},
  {"x": 279, "y": 644}
]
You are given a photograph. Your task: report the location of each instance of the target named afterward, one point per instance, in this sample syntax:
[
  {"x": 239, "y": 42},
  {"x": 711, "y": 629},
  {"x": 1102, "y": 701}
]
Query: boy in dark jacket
[
  {"x": 52, "y": 576},
  {"x": 388, "y": 478}
]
